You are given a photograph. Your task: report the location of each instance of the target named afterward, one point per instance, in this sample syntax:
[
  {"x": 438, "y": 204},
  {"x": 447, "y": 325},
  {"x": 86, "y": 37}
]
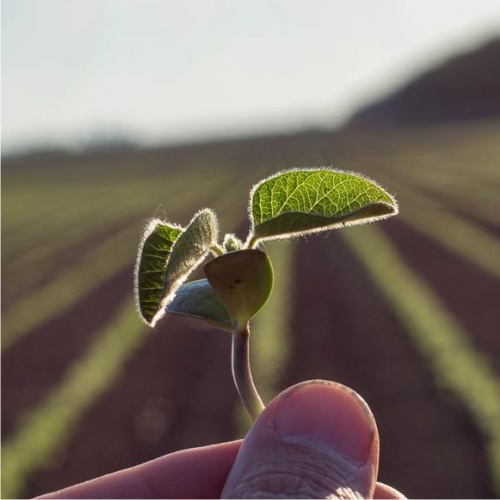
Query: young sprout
[{"x": 239, "y": 279}]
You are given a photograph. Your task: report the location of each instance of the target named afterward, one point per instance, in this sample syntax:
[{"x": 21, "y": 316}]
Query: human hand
[{"x": 317, "y": 439}]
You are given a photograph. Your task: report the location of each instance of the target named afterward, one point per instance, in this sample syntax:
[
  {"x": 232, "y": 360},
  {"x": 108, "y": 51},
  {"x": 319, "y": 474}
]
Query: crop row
[
  {"x": 112, "y": 253},
  {"x": 441, "y": 194},
  {"x": 48, "y": 425},
  {"x": 410, "y": 165},
  {"x": 455, "y": 232},
  {"x": 64, "y": 228}
]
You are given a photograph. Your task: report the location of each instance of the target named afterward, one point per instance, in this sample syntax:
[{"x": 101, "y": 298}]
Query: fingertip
[
  {"x": 316, "y": 438},
  {"x": 330, "y": 414}
]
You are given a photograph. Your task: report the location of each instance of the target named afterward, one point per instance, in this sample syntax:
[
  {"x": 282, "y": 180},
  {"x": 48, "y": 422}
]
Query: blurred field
[{"x": 405, "y": 311}]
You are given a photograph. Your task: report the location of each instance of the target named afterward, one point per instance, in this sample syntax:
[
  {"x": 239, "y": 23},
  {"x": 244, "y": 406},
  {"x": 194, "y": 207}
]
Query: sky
[{"x": 167, "y": 71}]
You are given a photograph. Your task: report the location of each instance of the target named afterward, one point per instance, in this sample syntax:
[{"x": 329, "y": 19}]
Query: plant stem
[
  {"x": 251, "y": 242},
  {"x": 242, "y": 375}
]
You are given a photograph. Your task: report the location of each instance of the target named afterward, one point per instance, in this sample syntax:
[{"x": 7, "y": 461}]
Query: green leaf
[
  {"x": 155, "y": 248},
  {"x": 298, "y": 202},
  {"x": 172, "y": 265},
  {"x": 232, "y": 243},
  {"x": 199, "y": 300},
  {"x": 243, "y": 280}
]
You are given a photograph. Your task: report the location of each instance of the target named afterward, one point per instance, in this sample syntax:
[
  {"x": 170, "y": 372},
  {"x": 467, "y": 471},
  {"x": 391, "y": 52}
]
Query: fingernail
[{"x": 327, "y": 414}]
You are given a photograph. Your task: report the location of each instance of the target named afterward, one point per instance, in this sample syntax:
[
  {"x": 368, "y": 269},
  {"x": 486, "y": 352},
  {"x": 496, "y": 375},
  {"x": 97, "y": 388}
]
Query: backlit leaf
[
  {"x": 157, "y": 241},
  {"x": 298, "y": 202},
  {"x": 176, "y": 258},
  {"x": 199, "y": 300}
]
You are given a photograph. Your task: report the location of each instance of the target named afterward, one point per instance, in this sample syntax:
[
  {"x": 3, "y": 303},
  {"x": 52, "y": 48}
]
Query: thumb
[{"x": 317, "y": 439}]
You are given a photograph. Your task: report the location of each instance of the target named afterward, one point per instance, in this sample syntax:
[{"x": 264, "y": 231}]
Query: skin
[{"x": 317, "y": 439}]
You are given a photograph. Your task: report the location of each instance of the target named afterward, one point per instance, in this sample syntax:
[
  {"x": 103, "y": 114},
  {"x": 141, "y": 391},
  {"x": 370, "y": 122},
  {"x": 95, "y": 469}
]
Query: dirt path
[{"x": 345, "y": 332}]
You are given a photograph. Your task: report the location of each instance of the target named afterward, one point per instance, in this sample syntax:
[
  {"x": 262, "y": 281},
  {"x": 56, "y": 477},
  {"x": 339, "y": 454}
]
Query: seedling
[{"x": 239, "y": 279}]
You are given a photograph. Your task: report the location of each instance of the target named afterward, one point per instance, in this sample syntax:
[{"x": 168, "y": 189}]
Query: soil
[
  {"x": 176, "y": 392},
  {"x": 470, "y": 293},
  {"x": 37, "y": 362}
]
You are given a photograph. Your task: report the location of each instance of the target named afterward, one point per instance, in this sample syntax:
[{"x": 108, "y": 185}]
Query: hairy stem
[
  {"x": 252, "y": 241},
  {"x": 242, "y": 375}
]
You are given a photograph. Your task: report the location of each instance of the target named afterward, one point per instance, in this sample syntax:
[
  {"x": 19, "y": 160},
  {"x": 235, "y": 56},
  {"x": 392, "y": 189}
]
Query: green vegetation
[
  {"x": 457, "y": 191},
  {"x": 67, "y": 288},
  {"x": 477, "y": 245},
  {"x": 458, "y": 234},
  {"x": 240, "y": 278},
  {"x": 56, "y": 229},
  {"x": 309, "y": 201}
]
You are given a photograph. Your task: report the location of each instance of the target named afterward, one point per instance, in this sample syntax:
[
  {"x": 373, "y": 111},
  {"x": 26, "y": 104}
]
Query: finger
[
  {"x": 383, "y": 491},
  {"x": 193, "y": 473},
  {"x": 315, "y": 440}
]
